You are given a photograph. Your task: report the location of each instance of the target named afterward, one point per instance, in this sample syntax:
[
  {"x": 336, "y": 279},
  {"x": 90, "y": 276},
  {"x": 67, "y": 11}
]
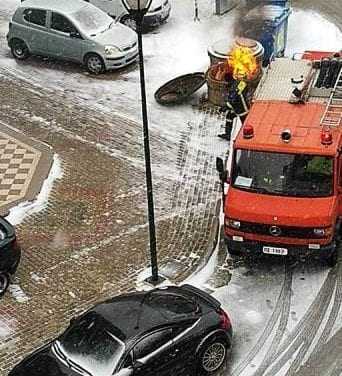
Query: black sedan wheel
[
  {"x": 94, "y": 64},
  {"x": 19, "y": 49},
  {"x": 4, "y": 283},
  {"x": 212, "y": 356}
]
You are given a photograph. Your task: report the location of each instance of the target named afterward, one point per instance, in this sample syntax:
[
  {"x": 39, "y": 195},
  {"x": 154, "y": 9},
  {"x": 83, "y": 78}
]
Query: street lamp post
[{"x": 137, "y": 10}]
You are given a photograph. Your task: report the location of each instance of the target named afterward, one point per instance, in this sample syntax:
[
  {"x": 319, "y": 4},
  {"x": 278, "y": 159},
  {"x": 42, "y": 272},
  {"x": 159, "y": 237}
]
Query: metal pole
[{"x": 152, "y": 229}]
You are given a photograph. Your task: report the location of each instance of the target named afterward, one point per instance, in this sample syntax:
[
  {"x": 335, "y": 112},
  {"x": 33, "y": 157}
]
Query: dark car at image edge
[
  {"x": 10, "y": 253},
  {"x": 166, "y": 331}
]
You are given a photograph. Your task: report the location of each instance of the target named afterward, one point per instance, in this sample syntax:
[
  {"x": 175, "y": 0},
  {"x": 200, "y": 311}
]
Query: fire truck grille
[{"x": 282, "y": 231}]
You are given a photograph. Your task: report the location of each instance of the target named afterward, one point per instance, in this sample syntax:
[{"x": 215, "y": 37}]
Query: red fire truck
[{"x": 284, "y": 174}]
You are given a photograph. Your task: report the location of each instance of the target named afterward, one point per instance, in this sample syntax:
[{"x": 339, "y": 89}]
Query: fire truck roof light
[
  {"x": 326, "y": 137},
  {"x": 248, "y": 131}
]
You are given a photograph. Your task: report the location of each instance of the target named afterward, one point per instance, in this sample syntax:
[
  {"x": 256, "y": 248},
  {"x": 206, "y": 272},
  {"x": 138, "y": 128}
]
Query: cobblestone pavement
[
  {"x": 91, "y": 240},
  {"x": 24, "y": 164}
]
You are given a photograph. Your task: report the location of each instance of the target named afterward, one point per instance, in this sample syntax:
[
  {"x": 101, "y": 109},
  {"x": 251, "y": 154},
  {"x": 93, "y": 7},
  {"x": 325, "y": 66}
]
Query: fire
[{"x": 243, "y": 63}]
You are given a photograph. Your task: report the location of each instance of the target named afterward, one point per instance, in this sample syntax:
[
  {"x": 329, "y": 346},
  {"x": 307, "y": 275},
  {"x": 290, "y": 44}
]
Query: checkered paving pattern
[
  {"x": 19, "y": 161},
  {"x": 17, "y": 165}
]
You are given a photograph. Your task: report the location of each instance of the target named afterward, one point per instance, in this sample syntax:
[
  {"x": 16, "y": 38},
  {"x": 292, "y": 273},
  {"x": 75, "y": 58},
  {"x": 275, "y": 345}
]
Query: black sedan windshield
[
  {"x": 89, "y": 344},
  {"x": 299, "y": 175}
]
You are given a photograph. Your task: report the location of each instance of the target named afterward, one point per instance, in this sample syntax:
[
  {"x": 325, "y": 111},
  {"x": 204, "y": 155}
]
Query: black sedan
[
  {"x": 167, "y": 331},
  {"x": 9, "y": 253}
]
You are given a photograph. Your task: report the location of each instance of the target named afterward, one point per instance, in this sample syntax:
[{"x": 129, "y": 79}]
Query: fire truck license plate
[{"x": 275, "y": 251}]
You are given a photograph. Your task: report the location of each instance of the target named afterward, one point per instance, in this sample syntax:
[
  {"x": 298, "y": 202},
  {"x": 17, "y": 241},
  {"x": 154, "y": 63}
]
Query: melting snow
[
  {"x": 18, "y": 213},
  {"x": 17, "y": 293}
]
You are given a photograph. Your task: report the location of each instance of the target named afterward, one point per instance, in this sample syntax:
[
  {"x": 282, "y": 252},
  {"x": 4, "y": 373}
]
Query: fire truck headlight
[
  {"x": 233, "y": 223},
  {"x": 322, "y": 232}
]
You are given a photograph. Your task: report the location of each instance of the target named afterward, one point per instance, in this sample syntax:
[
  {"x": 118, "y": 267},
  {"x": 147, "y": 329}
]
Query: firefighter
[{"x": 236, "y": 106}]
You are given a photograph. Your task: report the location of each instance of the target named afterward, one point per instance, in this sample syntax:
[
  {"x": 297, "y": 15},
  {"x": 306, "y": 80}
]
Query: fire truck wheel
[
  {"x": 233, "y": 252},
  {"x": 332, "y": 259}
]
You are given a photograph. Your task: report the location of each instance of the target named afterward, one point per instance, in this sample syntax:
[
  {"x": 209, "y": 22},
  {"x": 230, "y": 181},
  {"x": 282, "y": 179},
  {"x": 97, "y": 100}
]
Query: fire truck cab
[{"x": 284, "y": 178}]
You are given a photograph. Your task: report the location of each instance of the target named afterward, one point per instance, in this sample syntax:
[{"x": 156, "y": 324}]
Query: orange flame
[{"x": 243, "y": 63}]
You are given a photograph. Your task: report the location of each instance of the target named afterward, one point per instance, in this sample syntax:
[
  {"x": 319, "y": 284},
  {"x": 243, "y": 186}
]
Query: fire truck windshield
[{"x": 297, "y": 175}]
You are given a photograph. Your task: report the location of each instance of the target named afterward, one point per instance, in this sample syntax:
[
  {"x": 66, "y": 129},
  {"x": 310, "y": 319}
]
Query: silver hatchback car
[{"x": 71, "y": 30}]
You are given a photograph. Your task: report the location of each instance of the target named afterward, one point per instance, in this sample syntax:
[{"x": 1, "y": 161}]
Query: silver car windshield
[
  {"x": 90, "y": 345},
  {"x": 92, "y": 20}
]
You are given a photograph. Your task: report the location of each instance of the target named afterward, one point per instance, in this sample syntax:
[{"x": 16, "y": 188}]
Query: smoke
[{"x": 251, "y": 17}]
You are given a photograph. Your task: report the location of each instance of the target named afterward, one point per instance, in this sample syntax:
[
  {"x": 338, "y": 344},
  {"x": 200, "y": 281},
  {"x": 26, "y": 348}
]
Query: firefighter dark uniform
[{"x": 236, "y": 105}]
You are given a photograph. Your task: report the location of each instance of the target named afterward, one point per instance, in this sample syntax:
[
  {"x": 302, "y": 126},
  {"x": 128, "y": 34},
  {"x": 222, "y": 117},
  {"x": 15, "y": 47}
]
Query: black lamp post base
[{"x": 155, "y": 282}]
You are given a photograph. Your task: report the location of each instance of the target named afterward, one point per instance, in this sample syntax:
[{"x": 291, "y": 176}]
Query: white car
[
  {"x": 71, "y": 30},
  {"x": 158, "y": 13}
]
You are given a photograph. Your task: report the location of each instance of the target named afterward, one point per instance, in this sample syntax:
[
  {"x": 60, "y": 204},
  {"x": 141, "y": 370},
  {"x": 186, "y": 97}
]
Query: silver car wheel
[
  {"x": 19, "y": 50},
  {"x": 94, "y": 64},
  {"x": 213, "y": 357}
]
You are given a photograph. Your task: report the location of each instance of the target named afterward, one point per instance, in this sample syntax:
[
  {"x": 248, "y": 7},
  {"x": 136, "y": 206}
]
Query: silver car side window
[
  {"x": 62, "y": 24},
  {"x": 35, "y": 16}
]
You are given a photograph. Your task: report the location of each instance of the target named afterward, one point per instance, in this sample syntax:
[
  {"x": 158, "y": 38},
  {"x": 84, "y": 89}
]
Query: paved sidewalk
[
  {"x": 24, "y": 165},
  {"x": 91, "y": 241}
]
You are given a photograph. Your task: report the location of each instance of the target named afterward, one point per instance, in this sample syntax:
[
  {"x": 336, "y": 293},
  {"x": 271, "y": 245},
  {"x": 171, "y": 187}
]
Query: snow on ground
[
  {"x": 250, "y": 299},
  {"x": 178, "y": 47},
  {"x": 311, "y": 31},
  {"x": 18, "y": 213},
  {"x": 17, "y": 293},
  {"x": 6, "y": 328}
]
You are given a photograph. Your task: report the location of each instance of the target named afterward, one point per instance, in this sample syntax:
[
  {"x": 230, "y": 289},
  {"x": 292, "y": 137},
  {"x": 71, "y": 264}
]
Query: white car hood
[{"x": 118, "y": 35}]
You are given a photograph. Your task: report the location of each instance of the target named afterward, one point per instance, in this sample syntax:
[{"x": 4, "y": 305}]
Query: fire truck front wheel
[
  {"x": 333, "y": 258},
  {"x": 232, "y": 251}
]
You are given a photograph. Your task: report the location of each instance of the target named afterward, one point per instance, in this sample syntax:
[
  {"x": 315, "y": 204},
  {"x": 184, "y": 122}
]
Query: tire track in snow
[
  {"x": 282, "y": 306},
  {"x": 284, "y": 317},
  {"x": 331, "y": 319},
  {"x": 301, "y": 338}
]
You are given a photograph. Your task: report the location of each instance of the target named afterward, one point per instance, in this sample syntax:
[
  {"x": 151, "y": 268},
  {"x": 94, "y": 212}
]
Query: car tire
[
  {"x": 127, "y": 20},
  {"x": 212, "y": 356},
  {"x": 332, "y": 260},
  {"x": 4, "y": 282},
  {"x": 94, "y": 63},
  {"x": 19, "y": 49},
  {"x": 233, "y": 252},
  {"x": 14, "y": 268}
]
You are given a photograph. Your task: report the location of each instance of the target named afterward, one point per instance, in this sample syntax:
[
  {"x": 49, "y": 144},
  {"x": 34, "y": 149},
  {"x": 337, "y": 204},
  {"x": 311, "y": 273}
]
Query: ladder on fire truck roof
[{"x": 332, "y": 116}]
